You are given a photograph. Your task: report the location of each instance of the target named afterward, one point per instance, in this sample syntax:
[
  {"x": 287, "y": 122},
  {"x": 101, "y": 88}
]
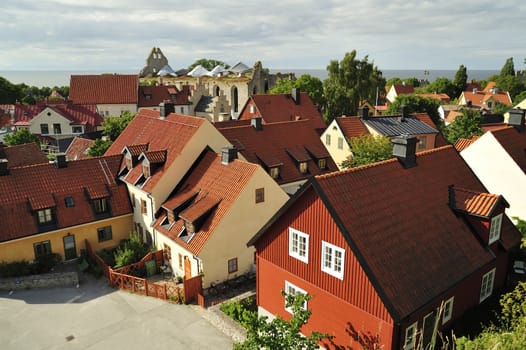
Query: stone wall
[{"x": 49, "y": 280}]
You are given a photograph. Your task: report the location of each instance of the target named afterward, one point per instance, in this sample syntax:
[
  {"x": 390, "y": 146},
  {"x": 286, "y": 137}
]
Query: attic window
[
  {"x": 328, "y": 139},
  {"x": 148, "y": 97},
  {"x": 45, "y": 216},
  {"x": 494, "y": 229},
  {"x": 260, "y": 195},
  {"x": 304, "y": 168},
  {"x": 274, "y": 172},
  {"x": 100, "y": 206},
  {"x": 146, "y": 170},
  {"x": 129, "y": 163},
  {"x": 322, "y": 163},
  {"x": 422, "y": 142},
  {"x": 69, "y": 201}
]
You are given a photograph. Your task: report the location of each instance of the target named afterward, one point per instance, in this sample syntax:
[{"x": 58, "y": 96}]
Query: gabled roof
[
  {"x": 463, "y": 143},
  {"x": 22, "y": 155},
  {"x": 283, "y": 143},
  {"x": 474, "y": 202},
  {"x": 479, "y": 98},
  {"x": 78, "y": 148},
  {"x": 212, "y": 188},
  {"x": 166, "y": 71},
  {"x": 41, "y": 186},
  {"x": 397, "y": 221},
  {"x": 282, "y": 107},
  {"x": 351, "y": 126},
  {"x": 198, "y": 71},
  {"x": 239, "y": 68},
  {"x": 152, "y": 96},
  {"x": 514, "y": 142},
  {"x": 403, "y": 89},
  {"x": 397, "y": 125},
  {"x": 104, "y": 89},
  {"x": 169, "y": 135},
  {"x": 442, "y": 97},
  {"x": 86, "y": 115}
]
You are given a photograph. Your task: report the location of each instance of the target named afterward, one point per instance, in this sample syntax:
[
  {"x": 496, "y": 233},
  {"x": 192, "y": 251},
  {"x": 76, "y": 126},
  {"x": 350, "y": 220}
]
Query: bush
[
  {"x": 131, "y": 251},
  {"x": 242, "y": 311},
  {"x": 21, "y": 268}
]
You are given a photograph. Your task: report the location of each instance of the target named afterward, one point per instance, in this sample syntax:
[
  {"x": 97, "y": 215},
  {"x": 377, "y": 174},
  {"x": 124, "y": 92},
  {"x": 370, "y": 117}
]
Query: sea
[{"x": 54, "y": 78}]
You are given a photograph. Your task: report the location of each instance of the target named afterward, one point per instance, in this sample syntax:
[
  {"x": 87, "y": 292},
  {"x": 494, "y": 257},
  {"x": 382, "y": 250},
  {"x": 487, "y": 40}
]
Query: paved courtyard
[{"x": 96, "y": 316}]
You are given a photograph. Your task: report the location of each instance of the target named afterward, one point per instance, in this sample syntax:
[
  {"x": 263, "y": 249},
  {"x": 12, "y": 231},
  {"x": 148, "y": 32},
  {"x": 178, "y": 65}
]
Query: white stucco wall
[{"x": 337, "y": 154}]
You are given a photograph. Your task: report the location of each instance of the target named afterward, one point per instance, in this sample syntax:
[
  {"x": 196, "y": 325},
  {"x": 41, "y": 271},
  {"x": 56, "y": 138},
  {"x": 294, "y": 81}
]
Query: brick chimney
[
  {"x": 60, "y": 160},
  {"x": 404, "y": 148},
  {"x": 165, "y": 109},
  {"x": 4, "y": 167},
  {"x": 296, "y": 95},
  {"x": 403, "y": 113},
  {"x": 228, "y": 154},
  {"x": 516, "y": 119}
]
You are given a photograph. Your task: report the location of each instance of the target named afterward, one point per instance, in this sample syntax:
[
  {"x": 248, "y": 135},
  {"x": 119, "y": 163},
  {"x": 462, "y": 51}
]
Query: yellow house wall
[
  {"x": 243, "y": 220},
  {"x": 22, "y": 249},
  {"x": 338, "y": 155}
]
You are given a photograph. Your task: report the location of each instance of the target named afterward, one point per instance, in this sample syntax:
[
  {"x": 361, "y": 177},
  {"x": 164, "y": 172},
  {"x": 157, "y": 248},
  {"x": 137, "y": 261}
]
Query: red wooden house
[{"x": 381, "y": 247}]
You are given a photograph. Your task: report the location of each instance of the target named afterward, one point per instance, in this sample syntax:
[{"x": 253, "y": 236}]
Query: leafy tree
[
  {"x": 207, "y": 63},
  {"x": 500, "y": 109},
  {"x": 460, "y": 81},
  {"x": 99, "y": 147},
  {"x": 350, "y": 82},
  {"x": 441, "y": 85},
  {"x": 510, "y": 83},
  {"x": 280, "y": 334},
  {"x": 367, "y": 149},
  {"x": 20, "y": 137},
  {"x": 521, "y": 226},
  {"x": 519, "y": 98},
  {"x": 508, "y": 68},
  {"x": 113, "y": 126},
  {"x": 306, "y": 82},
  {"x": 417, "y": 104},
  {"x": 9, "y": 93},
  {"x": 466, "y": 126},
  {"x": 393, "y": 80}
]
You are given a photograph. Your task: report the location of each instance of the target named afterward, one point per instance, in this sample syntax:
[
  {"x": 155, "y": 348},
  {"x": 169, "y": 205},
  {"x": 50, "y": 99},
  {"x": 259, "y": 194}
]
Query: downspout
[{"x": 153, "y": 234}]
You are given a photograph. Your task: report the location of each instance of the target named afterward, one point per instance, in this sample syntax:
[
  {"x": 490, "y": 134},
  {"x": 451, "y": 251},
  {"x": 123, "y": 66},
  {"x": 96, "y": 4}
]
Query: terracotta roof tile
[
  {"x": 155, "y": 157},
  {"x": 136, "y": 150},
  {"x": 514, "y": 142},
  {"x": 78, "y": 148},
  {"x": 41, "y": 201},
  {"x": 104, "y": 89},
  {"x": 352, "y": 126},
  {"x": 473, "y": 202},
  {"x": 22, "y": 155},
  {"x": 199, "y": 208},
  {"x": 152, "y": 96},
  {"x": 462, "y": 143}
]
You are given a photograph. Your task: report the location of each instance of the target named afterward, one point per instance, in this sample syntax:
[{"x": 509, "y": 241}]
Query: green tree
[
  {"x": 280, "y": 334},
  {"x": 417, "y": 104},
  {"x": 508, "y": 68},
  {"x": 20, "y": 137},
  {"x": 465, "y": 126},
  {"x": 441, "y": 85},
  {"x": 460, "y": 81},
  {"x": 367, "y": 149},
  {"x": 393, "y": 80},
  {"x": 350, "y": 82},
  {"x": 9, "y": 93},
  {"x": 99, "y": 147},
  {"x": 306, "y": 82},
  {"x": 113, "y": 126},
  {"x": 519, "y": 98},
  {"x": 207, "y": 63}
]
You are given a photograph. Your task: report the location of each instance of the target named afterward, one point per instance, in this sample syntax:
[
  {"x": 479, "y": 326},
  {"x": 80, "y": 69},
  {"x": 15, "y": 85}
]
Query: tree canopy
[
  {"x": 367, "y": 149},
  {"x": 113, "y": 126},
  {"x": 460, "y": 81},
  {"x": 350, "y": 82},
  {"x": 208, "y": 63},
  {"x": 417, "y": 104},
  {"x": 306, "y": 82},
  {"x": 11, "y": 93},
  {"x": 441, "y": 85},
  {"x": 465, "y": 126},
  {"x": 20, "y": 137},
  {"x": 99, "y": 147},
  {"x": 508, "y": 68}
]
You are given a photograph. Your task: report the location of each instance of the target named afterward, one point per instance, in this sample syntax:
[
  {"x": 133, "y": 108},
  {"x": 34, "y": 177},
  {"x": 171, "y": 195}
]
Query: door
[
  {"x": 70, "y": 250},
  {"x": 187, "y": 268}
]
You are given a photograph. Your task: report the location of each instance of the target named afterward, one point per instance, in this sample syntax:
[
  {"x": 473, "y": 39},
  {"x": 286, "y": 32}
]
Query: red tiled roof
[
  {"x": 78, "y": 148},
  {"x": 44, "y": 185},
  {"x": 400, "y": 225},
  {"x": 281, "y": 107},
  {"x": 104, "y": 89},
  {"x": 437, "y": 96},
  {"x": 156, "y": 157},
  {"x": 352, "y": 126},
  {"x": 214, "y": 184},
  {"x": 479, "y": 98},
  {"x": 22, "y": 155},
  {"x": 136, "y": 150},
  {"x": 404, "y": 89},
  {"x": 169, "y": 135},
  {"x": 280, "y": 143},
  {"x": 473, "y": 202},
  {"x": 462, "y": 143},
  {"x": 152, "y": 96},
  {"x": 514, "y": 142}
]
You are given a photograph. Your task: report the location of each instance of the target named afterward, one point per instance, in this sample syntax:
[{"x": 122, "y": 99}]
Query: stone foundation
[{"x": 49, "y": 280}]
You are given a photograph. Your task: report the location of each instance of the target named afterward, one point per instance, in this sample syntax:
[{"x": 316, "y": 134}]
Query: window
[
  {"x": 274, "y": 172},
  {"x": 322, "y": 163},
  {"x": 144, "y": 208},
  {"x": 133, "y": 200},
  {"x": 422, "y": 141},
  {"x": 332, "y": 259},
  {"x": 146, "y": 170},
  {"x": 328, "y": 139},
  {"x": 147, "y": 97},
  {"x": 44, "y": 129},
  {"x": 180, "y": 259},
  {"x": 57, "y": 129},
  {"x": 45, "y": 216},
  {"x": 299, "y": 245},
  {"x": 303, "y": 167},
  {"x": 77, "y": 129},
  {"x": 260, "y": 195},
  {"x": 340, "y": 142},
  {"x": 129, "y": 163},
  {"x": 447, "y": 313},
  {"x": 232, "y": 265},
  {"x": 100, "y": 205},
  {"x": 42, "y": 249},
  {"x": 494, "y": 229},
  {"x": 104, "y": 233},
  {"x": 410, "y": 337},
  {"x": 292, "y": 289},
  {"x": 69, "y": 201},
  {"x": 487, "y": 285}
]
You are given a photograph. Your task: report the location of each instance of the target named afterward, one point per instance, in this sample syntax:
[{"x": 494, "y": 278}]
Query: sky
[{"x": 118, "y": 35}]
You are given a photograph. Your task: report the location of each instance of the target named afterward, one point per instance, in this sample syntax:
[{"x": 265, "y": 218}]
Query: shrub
[
  {"x": 242, "y": 311},
  {"x": 21, "y": 268}
]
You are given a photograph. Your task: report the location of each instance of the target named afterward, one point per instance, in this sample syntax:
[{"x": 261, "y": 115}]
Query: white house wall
[
  {"x": 115, "y": 110},
  {"x": 338, "y": 155},
  {"x": 50, "y": 117},
  {"x": 498, "y": 172}
]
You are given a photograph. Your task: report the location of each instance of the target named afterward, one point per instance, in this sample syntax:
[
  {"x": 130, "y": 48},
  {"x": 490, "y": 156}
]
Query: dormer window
[
  {"x": 45, "y": 216},
  {"x": 274, "y": 172},
  {"x": 494, "y": 229},
  {"x": 147, "y": 97},
  {"x": 322, "y": 163},
  {"x": 100, "y": 206},
  {"x": 146, "y": 170},
  {"x": 189, "y": 226},
  {"x": 303, "y": 167}
]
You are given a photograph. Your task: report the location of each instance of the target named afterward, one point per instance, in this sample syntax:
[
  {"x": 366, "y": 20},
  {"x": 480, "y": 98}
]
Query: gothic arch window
[
  {"x": 217, "y": 90},
  {"x": 235, "y": 99},
  {"x": 266, "y": 85}
]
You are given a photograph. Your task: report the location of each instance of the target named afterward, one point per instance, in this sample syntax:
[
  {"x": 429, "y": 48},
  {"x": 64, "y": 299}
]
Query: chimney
[
  {"x": 363, "y": 112},
  {"x": 475, "y": 90},
  {"x": 516, "y": 119},
  {"x": 4, "y": 167},
  {"x": 403, "y": 113},
  {"x": 60, "y": 160},
  {"x": 296, "y": 95},
  {"x": 256, "y": 123},
  {"x": 228, "y": 154},
  {"x": 405, "y": 150},
  {"x": 165, "y": 109}
]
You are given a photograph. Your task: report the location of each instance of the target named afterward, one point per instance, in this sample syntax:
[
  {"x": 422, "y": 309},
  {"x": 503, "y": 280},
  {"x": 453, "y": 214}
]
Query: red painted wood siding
[
  {"x": 311, "y": 216},
  {"x": 348, "y": 324}
]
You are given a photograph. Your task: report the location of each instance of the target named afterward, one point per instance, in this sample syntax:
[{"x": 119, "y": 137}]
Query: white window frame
[
  {"x": 447, "y": 311},
  {"x": 410, "y": 336},
  {"x": 486, "y": 286},
  {"x": 291, "y": 288},
  {"x": 295, "y": 251},
  {"x": 329, "y": 262},
  {"x": 494, "y": 228},
  {"x": 328, "y": 139},
  {"x": 340, "y": 142}
]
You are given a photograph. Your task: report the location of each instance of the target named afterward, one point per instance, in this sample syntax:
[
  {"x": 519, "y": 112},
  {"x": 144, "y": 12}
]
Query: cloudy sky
[{"x": 116, "y": 35}]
